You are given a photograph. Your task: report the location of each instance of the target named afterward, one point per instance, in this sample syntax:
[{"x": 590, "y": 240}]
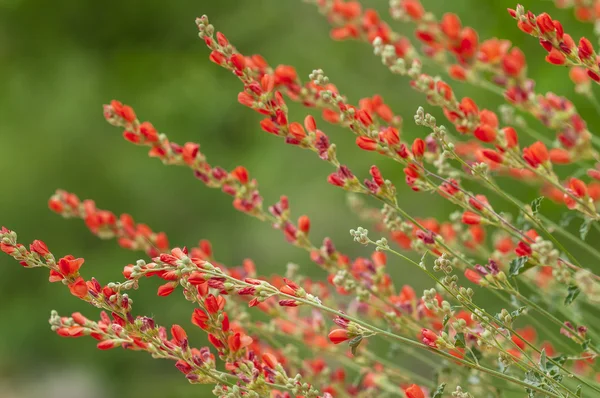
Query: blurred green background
[{"x": 61, "y": 60}]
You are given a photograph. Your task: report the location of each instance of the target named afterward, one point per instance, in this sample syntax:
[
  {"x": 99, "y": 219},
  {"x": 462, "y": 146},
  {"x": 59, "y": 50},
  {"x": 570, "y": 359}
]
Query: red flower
[
  {"x": 492, "y": 155},
  {"x": 199, "y": 318},
  {"x": 457, "y": 72},
  {"x": 555, "y": 57},
  {"x": 366, "y": 143},
  {"x": 179, "y": 335},
  {"x": 69, "y": 265},
  {"x": 297, "y": 131},
  {"x": 304, "y": 224},
  {"x": 544, "y": 23},
  {"x": 450, "y": 25},
  {"x": 107, "y": 344},
  {"x": 40, "y": 248},
  {"x": 241, "y": 174},
  {"x": 166, "y": 289},
  {"x": 418, "y": 148},
  {"x": 413, "y": 8},
  {"x": 79, "y": 288},
  {"x": 270, "y": 360},
  {"x": 214, "y": 304},
  {"x": 485, "y": 133},
  {"x": 309, "y": 123},
  {"x": 536, "y": 154},
  {"x": 585, "y": 49},
  {"x": 471, "y": 218},
  {"x": 559, "y": 156},
  {"x": 429, "y": 338},
  {"x": 578, "y": 187},
  {"x": 473, "y": 276},
  {"x": 511, "y": 137},
  {"x": 238, "y": 341},
  {"x": 246, "y": 99},
  {"x": 414, "y": 391}
]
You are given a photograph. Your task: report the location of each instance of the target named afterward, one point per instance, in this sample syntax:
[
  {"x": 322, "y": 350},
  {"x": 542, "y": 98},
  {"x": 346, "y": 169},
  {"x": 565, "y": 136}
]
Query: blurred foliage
[{"x": 62, "y": 60}]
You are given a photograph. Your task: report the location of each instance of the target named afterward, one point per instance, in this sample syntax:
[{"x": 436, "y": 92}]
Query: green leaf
[
  {"x": 561, "y": 359},
  {"x": 579, "y": 391},
  {"x": 474, "y": 354},
  {"x": 517, "y": 312},
  {"x": 459, "y": 340},
  {"x": 535, "y": 205},
  {"x": 586, "y": 344},
  {"x": 354, "y": 343},
  {"x": 439, "y": 392},
  {"x": 533, "y": 379},
  {"x": 446, "y": 319},
  {"x": 585, "y": 228},
  {"x": 543, "y": 360},
  {"x": 573, "y": 292},
  {"x": 517, "y": 266}
]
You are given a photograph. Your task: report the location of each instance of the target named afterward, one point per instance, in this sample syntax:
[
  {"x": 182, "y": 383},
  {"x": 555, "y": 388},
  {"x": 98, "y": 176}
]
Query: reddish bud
[
  {"x": 270, "y": 360},
  {"x": 79, "y": 288},
  {"x": 107, "y": 344},
  {"x": 179, "y": 335},
  {"x": 418, "y": 148},
  {"x": 40, "y": 248},
  {"x": 471, "y": 218},
  {"x": 492, "y": 155},
  {"x": 485, "y": 133},
  {"x": 429, "y": 337},
  {"x": 414, "y": 391},
  {"x": 585, "y": 49},
  {"x": 450, "y": 25},
  {"x": 297, "y": 131},
  {"x": 413, "y": 8},
  {"x": 511, "y": 137},
  {"x": 473, "y": 276},
  {"x": 578, "y": 187},
  {"x": 536, "y": 154},
  {"x": 309, "y": 123},
  {"x": 246, "y": 99},
  {"x": 555, "y": 57},
  {"x": 166, "y": 289},
  {"x": 559, "y": 156},
  {"x": 366, "y": 143},
  {"x": 241, "y": 174},
  {"x": 69, "y": 265},
  {"x": 338, "y": 336},
  {"x": 304, "y": 224}
]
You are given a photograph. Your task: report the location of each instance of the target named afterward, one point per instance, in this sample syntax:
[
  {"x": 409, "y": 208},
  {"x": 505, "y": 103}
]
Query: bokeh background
[{"x": 61, "y": 60}]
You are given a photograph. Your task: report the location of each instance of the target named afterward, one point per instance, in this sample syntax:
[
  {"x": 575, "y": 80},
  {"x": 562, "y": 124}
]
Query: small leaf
[
  {"x": 586, "y": 344},
  {"x": 585, "y": 228},
  {"x": 535, "y": 205},
  {"x": 543, "y": 360},
  {"x": 517, "y": 266},
  {"x": 445, "y": 321},
  {"x": 354, "y": 343},
  {"x": 573, "y": 292},
  {"x": 579, "y": 391},
  {"x": 561, "y": 359},
  {"x": 518, "y": 312},
  {"x": 474, "y": 354},
  {"x": 459, "y": 340},
  {"x": 439, "y": 392}
]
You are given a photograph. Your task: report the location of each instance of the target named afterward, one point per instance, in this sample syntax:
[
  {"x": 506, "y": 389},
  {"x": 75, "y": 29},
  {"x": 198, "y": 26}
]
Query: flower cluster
[{"x": 542, "y": 339}]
